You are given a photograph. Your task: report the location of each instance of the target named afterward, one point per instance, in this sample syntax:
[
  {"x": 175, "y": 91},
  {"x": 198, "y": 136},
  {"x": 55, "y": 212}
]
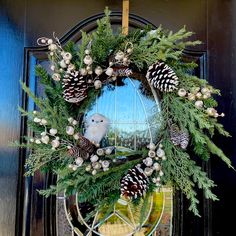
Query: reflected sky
[{"x": 130, "y": 112}]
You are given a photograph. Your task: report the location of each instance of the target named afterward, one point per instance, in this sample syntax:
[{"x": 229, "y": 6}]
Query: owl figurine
[{"x": 96, "y": 127}]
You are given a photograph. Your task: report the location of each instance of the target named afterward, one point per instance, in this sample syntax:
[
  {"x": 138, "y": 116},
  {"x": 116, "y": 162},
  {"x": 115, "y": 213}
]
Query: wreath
[{"x": 71, "y": 146}]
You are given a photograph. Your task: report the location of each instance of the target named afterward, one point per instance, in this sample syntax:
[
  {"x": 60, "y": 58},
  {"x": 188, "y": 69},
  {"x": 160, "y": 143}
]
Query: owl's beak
[{"x": 97, "y": 122}]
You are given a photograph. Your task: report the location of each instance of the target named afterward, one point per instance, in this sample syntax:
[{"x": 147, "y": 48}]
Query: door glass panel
[{"x": 131, "y": 113}]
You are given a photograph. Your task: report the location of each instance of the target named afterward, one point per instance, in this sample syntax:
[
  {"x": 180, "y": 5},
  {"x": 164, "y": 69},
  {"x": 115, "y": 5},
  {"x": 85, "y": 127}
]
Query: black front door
[{"x": 22, "y": 22}]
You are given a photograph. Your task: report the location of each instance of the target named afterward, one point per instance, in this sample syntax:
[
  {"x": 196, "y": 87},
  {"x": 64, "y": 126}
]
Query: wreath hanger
[{"x": 125, "y": 17}]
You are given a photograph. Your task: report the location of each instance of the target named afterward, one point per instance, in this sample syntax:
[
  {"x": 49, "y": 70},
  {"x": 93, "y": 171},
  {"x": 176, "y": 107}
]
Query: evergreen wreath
[{"x": 188, "y": 117}]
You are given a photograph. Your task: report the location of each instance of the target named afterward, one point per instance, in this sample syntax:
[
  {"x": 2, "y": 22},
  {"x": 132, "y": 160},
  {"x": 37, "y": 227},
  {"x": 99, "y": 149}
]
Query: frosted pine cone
[
  {"x": 162, "y": 77},
  {"x": 179, "y": 137},
  {"x": 122, "y": 71},
  {"x": 74, "y": 87},
  {"x": 76, "y": 152},
  {"x": 85, "y": 144},
  {"x": 135, "y": 183}
]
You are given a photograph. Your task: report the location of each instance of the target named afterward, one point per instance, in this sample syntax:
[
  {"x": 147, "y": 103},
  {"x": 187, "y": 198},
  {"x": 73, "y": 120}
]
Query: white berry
[
  {"x": 109, "y": 71},
  {"x": 74, "y": 122},
  {"x": 94, "y": 158},
  {"x": 50, "y": 41},
  {"x": 76, "y": 136},
  {"x": 129, "y": 50},
  {"x": 160, "y": 152},
  {"x": 52, "y": 67},
  {"x": 55, "y": 143},
  {"x": 182, "y": 92},
  {"x": 97, "y": 84},
  {"x": 43, "y": 133},
  {"x": 105, "y": 164},
  {"x": 71, "y": 67},
  {"x": 108, "y": 151},
  {"x": 152, "y": 146},
  {"x": 88, "y": 60},
  {"x": 148, "y": 171},
  {"x": 156, "y": 166},
  {"x": 98, "y": 70},
  {"x": 56, "y": 77},
  {"x": 52, "y": 47},
  {"x": 37, "y": 141},
  {"x": 88, "y": 167},
  {"x": 53, "y": 131},
  {"x": 199, "y": 104},
  {"x": 87, "y": 51},
  {"x": 74, "y": 168},
  {"x": 63, "y": 64},
  {"x": 79, "y": 161},
  {"x": 70, "y": 120},
  {"x": 211, "y": 111},
  {"x": 205, "y": 90},
  {"x": 83, "y": 71},
  {"x": 100, "y": 152},
  {"x": 37, "y": 120},
  {"x": 151, "y": 153},
  {"x": 198, "y": 95},
  {"x": 45, "y": 139},
  {"x": 70, "y": 130},
  {"x": 119, "y": 56},
  {"x": 148, "y": 161},
  {"x": 191, "y": 97},
  {"x": 67, "y": 56}
]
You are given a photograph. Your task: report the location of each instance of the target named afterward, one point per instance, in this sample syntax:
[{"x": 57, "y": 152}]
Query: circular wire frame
[{"x": 130, "y": 226}]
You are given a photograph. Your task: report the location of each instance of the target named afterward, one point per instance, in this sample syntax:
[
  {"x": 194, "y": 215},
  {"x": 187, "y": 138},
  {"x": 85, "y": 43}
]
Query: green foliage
[
  {"x": 179, "y": 168},
  {"x": 103, "y": 40},
  {"x": 185, "y": 175},
  {"x": 103, "y": 189},
  {"x": 81, "y": 53},
  {"x": 159, "y": 45}
]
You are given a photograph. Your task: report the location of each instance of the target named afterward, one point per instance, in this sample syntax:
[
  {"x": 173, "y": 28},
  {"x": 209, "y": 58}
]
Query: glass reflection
[{"x": 131, "y": 113}]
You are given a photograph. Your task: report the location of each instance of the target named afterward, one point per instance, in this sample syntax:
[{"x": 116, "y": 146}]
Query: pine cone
[
  {"x": 85, "y": 144},
  {"x": 162, "y": 77},
  {"x": 179, "y": 137},
  {"x": 76, "y": 152},
  {"x": 122, "y": 71},
  {"x": 134, "y": 184},
  {"x": 74, "y": 87}
]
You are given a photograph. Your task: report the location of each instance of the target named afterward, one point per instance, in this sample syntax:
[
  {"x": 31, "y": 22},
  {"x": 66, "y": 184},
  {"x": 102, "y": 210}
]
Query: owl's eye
[
  {"x": 101, "y": 120},
  {"x": 92, "y": 120}
]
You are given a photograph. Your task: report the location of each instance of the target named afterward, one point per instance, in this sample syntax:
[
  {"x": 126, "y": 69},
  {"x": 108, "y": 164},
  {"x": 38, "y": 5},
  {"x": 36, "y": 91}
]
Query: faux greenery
[{"x": 180, "y": 168}]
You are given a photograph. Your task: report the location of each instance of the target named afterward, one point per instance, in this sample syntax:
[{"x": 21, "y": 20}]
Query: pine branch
[
  {"x": 161, "y": 46},
  {"x": 203, "y": 182},
  {"x": 38, "y": 101},
  {"x": 218, "y": 152},
  {"x": 84, "y": 44}
]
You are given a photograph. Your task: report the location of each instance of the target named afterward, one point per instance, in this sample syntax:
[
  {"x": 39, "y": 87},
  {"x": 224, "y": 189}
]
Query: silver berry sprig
[
  {"x": 49, "y": 135},
  {"x": 198, "y": 95},
  {"x": 153, "y": 163}
]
